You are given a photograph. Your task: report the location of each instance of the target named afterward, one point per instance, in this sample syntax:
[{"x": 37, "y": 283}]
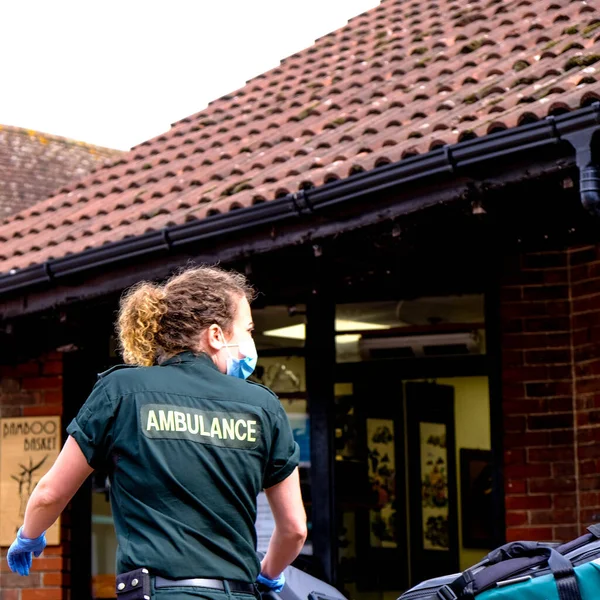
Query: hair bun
[{"x": 139, "y": 323}]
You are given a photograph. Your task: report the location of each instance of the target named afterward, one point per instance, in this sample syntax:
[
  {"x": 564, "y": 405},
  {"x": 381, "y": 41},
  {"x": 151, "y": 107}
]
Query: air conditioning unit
[{"x": 420, "y": 345}]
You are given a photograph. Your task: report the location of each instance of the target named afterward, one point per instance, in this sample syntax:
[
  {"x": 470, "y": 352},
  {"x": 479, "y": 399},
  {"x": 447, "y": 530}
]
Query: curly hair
[{"x": 157, "y": 321}]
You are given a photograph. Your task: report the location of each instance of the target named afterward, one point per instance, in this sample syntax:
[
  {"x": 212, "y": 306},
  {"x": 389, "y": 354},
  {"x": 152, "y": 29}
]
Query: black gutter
[{"x": 443, "y": 161}]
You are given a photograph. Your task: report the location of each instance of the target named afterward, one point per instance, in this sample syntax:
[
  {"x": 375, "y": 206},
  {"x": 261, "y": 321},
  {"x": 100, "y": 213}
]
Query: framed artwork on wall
[
  {"x": 432, "y": 487},
  {"x": 380, "y": 492},
  {"x": 381, "y": 448},
  {"x": 435, "y": 509},
  {"x": 476, "y": 490}
]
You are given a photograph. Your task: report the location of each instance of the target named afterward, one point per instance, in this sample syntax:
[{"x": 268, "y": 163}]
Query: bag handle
[
  {"x": 518, "y": 556},
  {"x": 593, "y": 533},
  {"x": 561, "y": 567},
  {"x": 564, "y": 576},
  {"x": 516, "y": 550}
]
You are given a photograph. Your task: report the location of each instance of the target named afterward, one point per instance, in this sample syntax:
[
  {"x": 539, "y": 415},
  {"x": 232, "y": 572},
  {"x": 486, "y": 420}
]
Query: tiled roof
[
  {"x": 34, "y": 165},
  {"x": 401, "y": 79}
]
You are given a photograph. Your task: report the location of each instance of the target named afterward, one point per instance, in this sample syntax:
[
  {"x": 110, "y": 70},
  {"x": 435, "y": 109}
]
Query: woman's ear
[{"x": 214, "y": 337}]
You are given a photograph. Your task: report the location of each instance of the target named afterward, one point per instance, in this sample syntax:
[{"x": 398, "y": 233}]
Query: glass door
[{"x": 104, "y": 540}]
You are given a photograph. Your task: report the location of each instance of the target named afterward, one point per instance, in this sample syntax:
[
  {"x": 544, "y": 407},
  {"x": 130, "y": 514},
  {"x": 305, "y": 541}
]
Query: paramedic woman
[{"x": 188, "y": 442}]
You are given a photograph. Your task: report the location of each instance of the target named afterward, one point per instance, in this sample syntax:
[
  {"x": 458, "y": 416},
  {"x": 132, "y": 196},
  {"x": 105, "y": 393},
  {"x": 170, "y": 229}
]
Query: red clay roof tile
[
  {"x": 34, "y": 165},
  {"x": 399, "y": 80}
]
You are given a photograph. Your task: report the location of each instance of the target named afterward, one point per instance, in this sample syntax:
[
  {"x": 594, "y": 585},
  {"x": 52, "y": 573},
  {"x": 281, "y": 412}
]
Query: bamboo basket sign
[{"x": 28, "y": 448}]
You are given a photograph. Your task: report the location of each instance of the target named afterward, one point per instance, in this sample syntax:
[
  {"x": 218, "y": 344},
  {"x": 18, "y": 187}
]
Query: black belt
[{"x": 217, "y": 584}]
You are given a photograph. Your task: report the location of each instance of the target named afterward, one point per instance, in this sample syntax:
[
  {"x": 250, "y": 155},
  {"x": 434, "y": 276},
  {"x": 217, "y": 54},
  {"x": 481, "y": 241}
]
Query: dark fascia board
[{"x": 419, "y": 169}]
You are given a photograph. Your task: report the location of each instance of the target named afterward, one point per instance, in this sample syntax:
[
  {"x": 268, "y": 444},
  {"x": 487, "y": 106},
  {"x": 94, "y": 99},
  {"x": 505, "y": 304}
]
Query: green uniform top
[{"x": 188, "y": 449}]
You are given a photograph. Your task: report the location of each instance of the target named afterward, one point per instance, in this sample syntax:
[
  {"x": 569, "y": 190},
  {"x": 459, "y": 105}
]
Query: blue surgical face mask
[{"x": 242, "y": 367}]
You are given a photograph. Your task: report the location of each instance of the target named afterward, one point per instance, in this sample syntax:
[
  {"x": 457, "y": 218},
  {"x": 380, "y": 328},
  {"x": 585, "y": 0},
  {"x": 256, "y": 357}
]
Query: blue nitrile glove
[
  {"x": 275, "y": 585},
  {"x": 19, "y": 553}
]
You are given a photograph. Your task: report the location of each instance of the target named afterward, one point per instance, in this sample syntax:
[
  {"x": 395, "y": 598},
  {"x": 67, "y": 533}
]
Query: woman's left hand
[
  {"x": 275, "y": 585},
  {"x": 19, "y": 554}
]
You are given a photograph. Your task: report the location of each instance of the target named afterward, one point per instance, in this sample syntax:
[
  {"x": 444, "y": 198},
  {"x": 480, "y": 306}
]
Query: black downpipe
[
  {"x": 588, "y": 162},
  {"x": 589, "y": 188}
]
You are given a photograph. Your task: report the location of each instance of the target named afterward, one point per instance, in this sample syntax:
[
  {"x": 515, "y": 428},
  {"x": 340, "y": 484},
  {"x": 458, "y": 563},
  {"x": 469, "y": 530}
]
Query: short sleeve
[
  {"x": 284, "y": 456},
  {"x": 92, "y": 427}
]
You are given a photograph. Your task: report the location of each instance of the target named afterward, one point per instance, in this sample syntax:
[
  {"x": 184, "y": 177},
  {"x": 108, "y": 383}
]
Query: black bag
[
  {"x": 513, "y": 563},
  {"x": 301, "y": 585}
]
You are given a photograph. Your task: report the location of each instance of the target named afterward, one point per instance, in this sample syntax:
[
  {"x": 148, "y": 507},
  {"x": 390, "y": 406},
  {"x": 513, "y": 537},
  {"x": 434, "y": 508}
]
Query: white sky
[{"x": 116, "y": 73}]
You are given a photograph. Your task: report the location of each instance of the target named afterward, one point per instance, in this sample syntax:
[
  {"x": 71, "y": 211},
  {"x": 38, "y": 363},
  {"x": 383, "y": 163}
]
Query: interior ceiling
[{"x": 420, "y": 311}]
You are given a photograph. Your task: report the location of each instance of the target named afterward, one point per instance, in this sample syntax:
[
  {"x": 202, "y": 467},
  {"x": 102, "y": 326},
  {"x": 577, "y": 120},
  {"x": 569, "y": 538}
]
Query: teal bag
[
  {"x": 545, "y": 588},
  {"x": 524, "y": 570}
]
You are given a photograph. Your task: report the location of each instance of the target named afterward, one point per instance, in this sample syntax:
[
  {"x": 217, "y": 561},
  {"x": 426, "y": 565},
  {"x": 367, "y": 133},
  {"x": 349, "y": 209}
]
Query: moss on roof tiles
[
  {"x": 550, "y": 45},
  {"x": 591, "y": 28},
  {"x": 309, "y": 110},
  {"x": 581, "y": 61},
  {"x": 520, "y": 65},
  {"x": 471, "y": 46},
  {"x": 571, "y": 46},
  {"x": 240, "y": 186},
  {"x": 523, "y": 81}
]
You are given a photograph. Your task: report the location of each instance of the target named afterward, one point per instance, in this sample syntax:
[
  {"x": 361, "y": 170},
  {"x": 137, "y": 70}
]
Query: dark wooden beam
[
  {"x": 320, "y": 380},
  {"x": 494, "y": 359},
  {"x": 78, "y": 382},
  {"x": 415, "y": 368},
  {"x": 80, "y": 369}
]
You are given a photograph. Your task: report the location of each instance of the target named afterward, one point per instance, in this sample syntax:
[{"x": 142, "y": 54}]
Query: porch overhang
[{"x": 385, "y": 193}]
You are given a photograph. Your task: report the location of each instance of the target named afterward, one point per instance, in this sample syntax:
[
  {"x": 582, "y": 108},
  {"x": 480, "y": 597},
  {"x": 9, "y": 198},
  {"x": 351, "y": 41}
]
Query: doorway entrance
[
  {"x": 412, "y": 408},
  {"x": 93, "y": 541}
]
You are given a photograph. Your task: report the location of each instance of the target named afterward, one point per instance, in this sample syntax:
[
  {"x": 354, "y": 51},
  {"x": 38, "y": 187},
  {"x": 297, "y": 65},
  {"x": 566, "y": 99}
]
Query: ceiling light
[
  {"x": 298, "y": 332},
  {"x": 346, "y": 325},
  {"x": 291, "y": 332}
]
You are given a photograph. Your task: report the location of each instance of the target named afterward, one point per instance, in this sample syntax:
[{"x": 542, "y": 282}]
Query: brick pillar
[
  {"x": 585, "y": 293},
  {"x": 35, "y": 389},
  {"x": 551, "y": 405},
  {"x": 540, "y": 484}
]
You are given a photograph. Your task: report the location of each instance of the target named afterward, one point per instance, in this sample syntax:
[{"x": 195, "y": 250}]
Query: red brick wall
[
  {"x": 585, "y": 321},
  {"x": 35, "y": 388},
  {"x": 551, "y": 392}
]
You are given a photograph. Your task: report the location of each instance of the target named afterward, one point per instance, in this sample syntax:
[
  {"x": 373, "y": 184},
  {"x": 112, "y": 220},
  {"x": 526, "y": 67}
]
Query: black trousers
[{"x": 198, "y": 593}]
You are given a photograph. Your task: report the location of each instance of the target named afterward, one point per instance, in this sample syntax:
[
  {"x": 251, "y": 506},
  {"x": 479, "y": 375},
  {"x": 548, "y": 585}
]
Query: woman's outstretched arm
[{"x": 55, "y": 489}]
